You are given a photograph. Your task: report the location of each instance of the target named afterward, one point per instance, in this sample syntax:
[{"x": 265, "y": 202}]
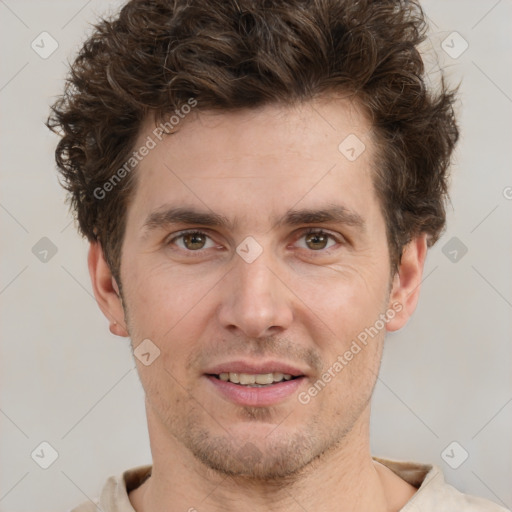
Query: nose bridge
[{"x": 256, "y": 300}]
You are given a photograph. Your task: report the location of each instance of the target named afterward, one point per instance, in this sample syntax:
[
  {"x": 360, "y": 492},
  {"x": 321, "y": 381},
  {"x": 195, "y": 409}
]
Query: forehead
[{"x": 251, "y": 164}]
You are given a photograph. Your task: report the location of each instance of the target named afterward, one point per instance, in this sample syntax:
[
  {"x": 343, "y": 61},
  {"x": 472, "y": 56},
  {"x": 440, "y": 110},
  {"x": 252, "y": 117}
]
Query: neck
[{"x": 344, "y": 479}]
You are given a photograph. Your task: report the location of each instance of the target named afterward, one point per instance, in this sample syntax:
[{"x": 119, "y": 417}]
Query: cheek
[
  {"x": 343, "y": 390},
  {"x": 345, "y": 307},
  {"x": 162, "y": 297},
  {"x": 342, "y": 300},
  {"x": 171, "y": 308}
]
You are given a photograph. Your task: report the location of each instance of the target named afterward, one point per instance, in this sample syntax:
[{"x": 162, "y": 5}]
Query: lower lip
[{"x": 256, "y": 396}]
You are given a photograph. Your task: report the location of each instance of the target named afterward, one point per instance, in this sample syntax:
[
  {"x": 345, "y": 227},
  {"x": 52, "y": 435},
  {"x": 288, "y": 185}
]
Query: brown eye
[
  {"x": 317, "y": 241},
  {"x": 194, "y": 241}
]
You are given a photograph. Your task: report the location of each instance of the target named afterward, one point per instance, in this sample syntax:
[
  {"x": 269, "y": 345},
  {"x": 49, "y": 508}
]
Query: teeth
[
  {"x": 248, "y": 379},
  {"x": 264, "y": 378},
  {"x": 245, "y": 378}
]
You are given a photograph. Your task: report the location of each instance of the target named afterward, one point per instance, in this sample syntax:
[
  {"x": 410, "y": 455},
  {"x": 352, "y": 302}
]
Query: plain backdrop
[{"x": 65, "y": 380}]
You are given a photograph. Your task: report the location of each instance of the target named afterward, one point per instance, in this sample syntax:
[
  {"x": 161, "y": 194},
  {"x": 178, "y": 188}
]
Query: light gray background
[{"x": 66, "y": 380}]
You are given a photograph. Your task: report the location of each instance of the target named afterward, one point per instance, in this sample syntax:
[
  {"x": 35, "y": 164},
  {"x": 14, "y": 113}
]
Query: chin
[{"x": 272, "y": 457}]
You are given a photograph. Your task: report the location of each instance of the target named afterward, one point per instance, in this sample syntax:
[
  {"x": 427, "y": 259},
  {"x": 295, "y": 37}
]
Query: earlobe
[
  {"x": 406, "y": 282},
  {"x": 106, "y": 290}
]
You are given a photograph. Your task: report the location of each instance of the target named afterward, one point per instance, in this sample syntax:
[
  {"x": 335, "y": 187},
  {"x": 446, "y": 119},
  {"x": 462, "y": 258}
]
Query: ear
[
  {"x": 106, "y": 290},
  {"x": 405, "y": 291}
]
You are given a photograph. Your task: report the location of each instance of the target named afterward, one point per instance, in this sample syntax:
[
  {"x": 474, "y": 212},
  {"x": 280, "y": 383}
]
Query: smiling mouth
[{"x": 255, "y": 380}]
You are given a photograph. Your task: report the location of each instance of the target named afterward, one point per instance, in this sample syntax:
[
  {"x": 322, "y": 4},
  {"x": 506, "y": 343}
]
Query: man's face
[{"x": 217, "y": 307}]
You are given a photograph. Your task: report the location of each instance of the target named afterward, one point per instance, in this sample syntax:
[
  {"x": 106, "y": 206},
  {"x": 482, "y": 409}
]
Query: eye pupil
[
  {"x": 314, "y": 237},
  {"x": 194, "y": 240}
]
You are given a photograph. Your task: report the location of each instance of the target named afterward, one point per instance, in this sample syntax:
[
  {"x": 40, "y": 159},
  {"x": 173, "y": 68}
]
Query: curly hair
[{"x": 233, "y": 54}]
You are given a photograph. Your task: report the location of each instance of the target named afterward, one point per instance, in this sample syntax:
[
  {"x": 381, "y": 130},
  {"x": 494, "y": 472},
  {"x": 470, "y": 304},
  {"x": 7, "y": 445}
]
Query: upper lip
[{"x": 255, "y": 368}]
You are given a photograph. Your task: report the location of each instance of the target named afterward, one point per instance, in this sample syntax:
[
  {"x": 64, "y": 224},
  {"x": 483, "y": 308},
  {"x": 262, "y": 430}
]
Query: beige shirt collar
[{"x": 433, "y": 495}]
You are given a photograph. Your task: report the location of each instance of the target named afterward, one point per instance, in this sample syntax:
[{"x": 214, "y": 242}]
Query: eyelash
[{"x": 309, "y": 231}]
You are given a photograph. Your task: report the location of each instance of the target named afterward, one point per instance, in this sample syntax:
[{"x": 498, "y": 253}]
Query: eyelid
[{"x": 324, "y": 231}]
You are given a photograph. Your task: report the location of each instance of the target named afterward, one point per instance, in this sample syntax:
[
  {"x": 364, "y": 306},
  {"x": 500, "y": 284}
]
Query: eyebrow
[
  {"x": 331, "y": 213},
  {"x": 166, "y": 216}
]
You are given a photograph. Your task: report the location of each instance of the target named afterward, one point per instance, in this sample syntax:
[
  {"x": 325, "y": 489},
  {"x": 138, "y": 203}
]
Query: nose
[{"x": 256, "y": 300}]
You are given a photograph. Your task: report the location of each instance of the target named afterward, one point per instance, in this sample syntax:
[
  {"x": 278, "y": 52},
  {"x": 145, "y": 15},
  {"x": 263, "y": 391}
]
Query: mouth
[
  {"x": 255, "y": 385},
  {"x": 260, "y": 380}
]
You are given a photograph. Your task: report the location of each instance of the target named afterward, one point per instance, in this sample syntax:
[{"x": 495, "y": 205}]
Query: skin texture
[{"x": 298, "y": 302}]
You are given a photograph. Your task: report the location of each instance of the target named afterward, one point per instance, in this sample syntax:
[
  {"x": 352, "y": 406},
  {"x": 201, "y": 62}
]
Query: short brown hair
[{"x": 233, "y": 54}]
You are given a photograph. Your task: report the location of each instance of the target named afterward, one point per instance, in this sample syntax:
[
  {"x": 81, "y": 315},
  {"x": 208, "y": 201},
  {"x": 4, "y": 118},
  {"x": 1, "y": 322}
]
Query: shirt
[{"x": 433, "y": 494}]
